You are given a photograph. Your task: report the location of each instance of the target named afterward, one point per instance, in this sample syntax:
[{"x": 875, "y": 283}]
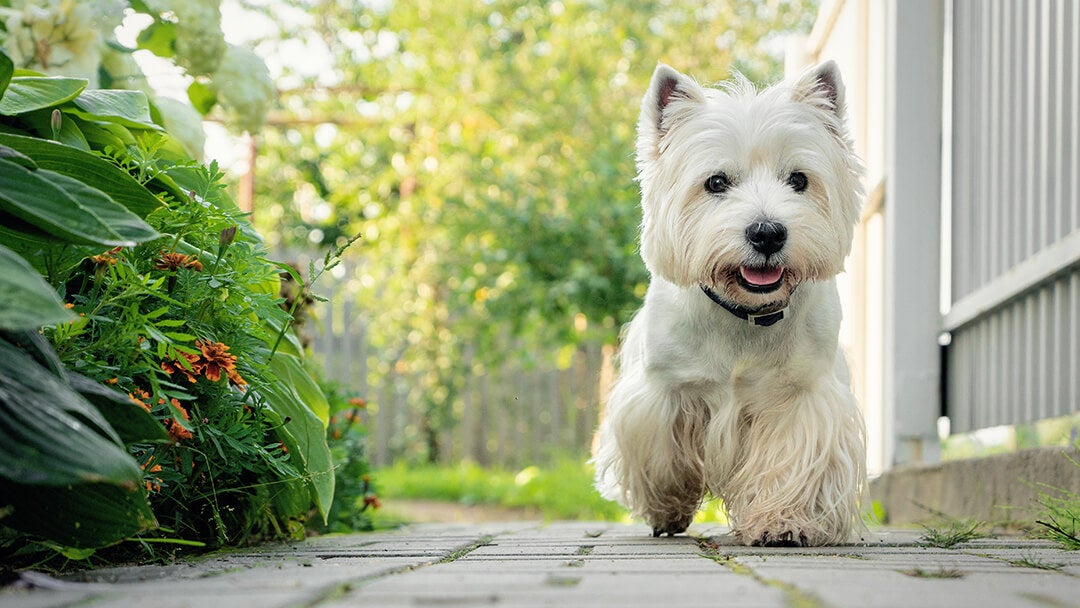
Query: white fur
[{"x": 706, "y": 402}]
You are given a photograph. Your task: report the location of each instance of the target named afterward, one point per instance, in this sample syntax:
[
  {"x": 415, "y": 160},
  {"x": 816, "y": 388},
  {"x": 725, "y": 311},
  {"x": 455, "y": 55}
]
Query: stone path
[{"x": 572, "y": 564}]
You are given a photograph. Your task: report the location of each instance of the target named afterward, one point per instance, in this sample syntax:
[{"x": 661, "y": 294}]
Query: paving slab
[{"x": 571, "y": 564}]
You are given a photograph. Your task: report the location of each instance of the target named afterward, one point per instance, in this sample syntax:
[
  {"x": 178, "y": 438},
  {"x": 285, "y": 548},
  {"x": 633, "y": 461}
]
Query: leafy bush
[{"x": 164, "y": 397}]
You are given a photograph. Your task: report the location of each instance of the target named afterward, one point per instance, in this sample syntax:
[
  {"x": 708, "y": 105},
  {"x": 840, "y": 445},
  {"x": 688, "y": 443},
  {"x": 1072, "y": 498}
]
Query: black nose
[{"x": 766, "y": 237}]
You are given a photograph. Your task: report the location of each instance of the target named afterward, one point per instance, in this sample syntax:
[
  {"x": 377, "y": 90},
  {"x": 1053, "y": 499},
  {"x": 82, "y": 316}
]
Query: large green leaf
[
  {"x": 123, "y": 222},
  {"x": 13, "y": 155},
  {"x": 42, "y": 198},
  {"x": 49, "y": 434},
  {"x": 62, "y": 468},
  {"x": 83, "y": 515},
  {"x": 130, "y": 421},
  {"x": 28, "y": 93},
  {"x": 86, "y": 516},
  {"x": 290, "y": 369},
  {"x": 6, "y": 69},
  {"x": 105, "y": 134},
  {"x": 40, "y": 123},
  {"x": 127, "y": 108},
  {"x": 88, "y": 168},
  {"x": 39, "y": 249},
  {"x": 26, "y": 300},
  {"x": 303, "y": 432}
]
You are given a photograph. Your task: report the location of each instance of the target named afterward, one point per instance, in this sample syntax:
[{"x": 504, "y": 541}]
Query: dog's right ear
[{"x": 659, "y": 108}]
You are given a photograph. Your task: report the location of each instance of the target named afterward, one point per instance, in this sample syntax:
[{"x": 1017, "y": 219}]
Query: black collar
[{"x": 745, "y": 314}]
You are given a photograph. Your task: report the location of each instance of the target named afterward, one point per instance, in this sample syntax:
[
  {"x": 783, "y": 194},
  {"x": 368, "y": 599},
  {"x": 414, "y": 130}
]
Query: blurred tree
[{"x": 484, "y": 149}]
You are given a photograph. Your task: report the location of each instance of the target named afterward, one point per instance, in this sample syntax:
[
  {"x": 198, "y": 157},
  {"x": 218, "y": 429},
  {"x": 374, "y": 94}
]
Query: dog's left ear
[{"x": 822, "y": 86}]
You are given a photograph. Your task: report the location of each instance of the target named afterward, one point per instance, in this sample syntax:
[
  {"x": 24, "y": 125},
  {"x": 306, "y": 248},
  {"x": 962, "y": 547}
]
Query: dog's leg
[
  {"x": 798, "y": 472},
  {"x": 650, "y": 455}
]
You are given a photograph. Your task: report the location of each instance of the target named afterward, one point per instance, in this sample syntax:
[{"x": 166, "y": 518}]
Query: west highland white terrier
[{"x": 730, "y": 377}]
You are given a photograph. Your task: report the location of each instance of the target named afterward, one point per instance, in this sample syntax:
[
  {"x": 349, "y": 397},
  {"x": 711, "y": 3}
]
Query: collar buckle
[{"x": 758, "y": 320}]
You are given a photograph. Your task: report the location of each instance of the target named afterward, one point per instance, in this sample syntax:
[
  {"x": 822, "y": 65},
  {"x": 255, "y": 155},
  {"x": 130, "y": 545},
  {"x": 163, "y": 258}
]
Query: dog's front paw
[
  {"x": 672, "y": 526},
  {"x": 786, "y": 538}
]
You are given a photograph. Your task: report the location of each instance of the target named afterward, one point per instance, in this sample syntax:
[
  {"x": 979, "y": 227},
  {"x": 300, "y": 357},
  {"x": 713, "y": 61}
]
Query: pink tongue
[{"x": 761, "y": 276}]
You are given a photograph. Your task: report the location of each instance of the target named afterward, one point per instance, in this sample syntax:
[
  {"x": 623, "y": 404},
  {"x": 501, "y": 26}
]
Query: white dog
[{"x": 730, "y": 378}]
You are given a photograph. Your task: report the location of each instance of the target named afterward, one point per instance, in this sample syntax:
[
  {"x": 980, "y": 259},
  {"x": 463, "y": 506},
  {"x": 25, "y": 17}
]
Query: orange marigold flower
[
  {"x": 176, "y": 431},
  {"x": 103, "y": 260},
  {"x": 216, "y": 359},
  {"x": 357, "y": 402},
  {"x": 68, "y": 305},
  {"x": 174, "y": 366},
  {"x": 371, "y": 500},
  {"x": 112, "y": 381},
  {"x": 234, "y": 376},
  {"x": 137, "y": 395},
  {"x": 175, "y": 261}
]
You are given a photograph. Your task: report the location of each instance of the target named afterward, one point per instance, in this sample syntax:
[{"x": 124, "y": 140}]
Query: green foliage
[
  {"x": 26, "y": 300},
  {"x": 151, "y": 406},
  {"x": 489, "y": 164},
  {"x": 354, "y": 493},
  {"x": 63, "y": 470}
]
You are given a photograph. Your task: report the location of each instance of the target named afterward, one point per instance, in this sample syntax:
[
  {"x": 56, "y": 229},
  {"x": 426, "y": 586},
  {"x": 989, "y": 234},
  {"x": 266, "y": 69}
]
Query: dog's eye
[
  {"x": 798, "y": 181},
  {"x": 718, "y": 183}
]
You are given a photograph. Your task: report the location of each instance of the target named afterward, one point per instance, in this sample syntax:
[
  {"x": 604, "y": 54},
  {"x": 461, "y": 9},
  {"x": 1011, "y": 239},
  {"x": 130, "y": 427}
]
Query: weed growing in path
[
  {"x": 1032, "y": 561},
  {"x": 948, "y": 531},
  {"x": 1060, "y": 516},
  {"x": 939, "y": 573}
]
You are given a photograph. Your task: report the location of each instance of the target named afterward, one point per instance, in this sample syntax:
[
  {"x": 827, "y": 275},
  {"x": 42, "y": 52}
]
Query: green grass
[
  {"x": 1033, "y": 561},
  {"x": 939, "y": 573},
  {"x": 952, "y": 533},
  {"x": 562, "y": 490},
  {"x": 947, "y": 532},
  {"x": 1059, "y": 517}
]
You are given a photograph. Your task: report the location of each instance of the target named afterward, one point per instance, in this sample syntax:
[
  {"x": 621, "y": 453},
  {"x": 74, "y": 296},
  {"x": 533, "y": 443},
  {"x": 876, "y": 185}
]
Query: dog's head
[{"x": 747, "y": 192}]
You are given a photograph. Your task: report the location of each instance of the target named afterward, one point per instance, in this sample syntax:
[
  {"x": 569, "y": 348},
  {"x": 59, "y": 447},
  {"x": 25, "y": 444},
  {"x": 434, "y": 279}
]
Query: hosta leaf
[
  {"x": 6, "y": 69},
  {"x": 123, "y": 222},
  {"x": 83, "y": 515},
  {"x": 29, "y": 93},
  {"x": 41, "y": 199},
  {"x": 13, "y": 155},
  {"x": 40, "y": 122},
  {"x": 105, "y": 134},
  {"x": 88, "y": 168},
  {"x": 128, "y": 108},
  {"x": 39, "y": 249},
  {"x": 26, "y": 300},
  {"x": 50, "y": 435},
  {"x": 304, "y": 433}
]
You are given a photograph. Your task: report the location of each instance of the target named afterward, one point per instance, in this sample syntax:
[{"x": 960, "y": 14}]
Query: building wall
[{"x": 966, "y": 113}]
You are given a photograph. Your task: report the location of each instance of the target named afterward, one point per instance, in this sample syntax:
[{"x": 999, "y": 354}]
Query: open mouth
[{"x": 761, "y": 280}]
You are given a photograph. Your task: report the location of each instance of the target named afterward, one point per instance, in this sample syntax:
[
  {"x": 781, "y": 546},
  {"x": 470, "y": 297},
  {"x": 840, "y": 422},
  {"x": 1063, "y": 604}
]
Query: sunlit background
[{"x": 483, "y": 150}]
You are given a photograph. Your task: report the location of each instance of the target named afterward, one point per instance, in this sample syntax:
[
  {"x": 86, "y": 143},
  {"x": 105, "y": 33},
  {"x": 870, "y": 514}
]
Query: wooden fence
[{"x": 511, "y": 416}]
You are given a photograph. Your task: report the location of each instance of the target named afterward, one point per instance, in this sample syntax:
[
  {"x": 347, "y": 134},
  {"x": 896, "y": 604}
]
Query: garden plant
[{"x": 151, "y": 388}]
